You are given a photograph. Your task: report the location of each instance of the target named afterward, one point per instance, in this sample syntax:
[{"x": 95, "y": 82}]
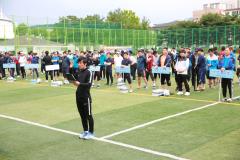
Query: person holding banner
[
  {"x": 35, "y": 60},
  {"x": 227, "y": 63},
  {"x": 11, "y": 60},
  {"x": 126, "y": 63},
  {"x": 47, "y": 60},
  {"x": 165, "y": 61},
  {"x": 22, "y": 61},
  {"x": 109, "y": 62},
  {"x": 181, "y": 68},
  {"x": 83, "y": 98},
  {"x": 95, "y": 61},
  {"x": 55, "y": 61},
  {"x": 117, "y": 63},
  {"x": 212, "y": 62}
]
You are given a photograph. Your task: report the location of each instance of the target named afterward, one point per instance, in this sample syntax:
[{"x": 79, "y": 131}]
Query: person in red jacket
[{"x": 150, "y": 60}]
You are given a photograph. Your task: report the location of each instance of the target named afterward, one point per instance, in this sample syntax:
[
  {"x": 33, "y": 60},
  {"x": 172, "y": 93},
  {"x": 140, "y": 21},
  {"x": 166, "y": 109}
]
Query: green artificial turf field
[{"x": 212, "y": 132}]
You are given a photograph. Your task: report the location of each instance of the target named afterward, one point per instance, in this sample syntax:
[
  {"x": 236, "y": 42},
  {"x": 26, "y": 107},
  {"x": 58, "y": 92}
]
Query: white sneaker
[
  {"x": 88, "y": 136},
  {"x": 46, "y": 81},
  {"x": 187, "y": 94},
  {"x": 83, "y": 134},
  {"x": 179, "y": 93},
  {"x": 130, "y": 91},
  {"x": 229, "y": 100}
]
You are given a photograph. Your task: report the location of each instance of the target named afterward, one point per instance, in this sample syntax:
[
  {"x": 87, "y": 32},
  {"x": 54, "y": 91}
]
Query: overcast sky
[{"x": 158, "y": 11}]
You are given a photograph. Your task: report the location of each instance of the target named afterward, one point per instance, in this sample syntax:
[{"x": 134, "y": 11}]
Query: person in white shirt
[
  {"x": 118, "y": 63},
  {"x": 22, "y": 61},
  {"x": 133, "y": 66},
  {"x": 181, "y": 68}
]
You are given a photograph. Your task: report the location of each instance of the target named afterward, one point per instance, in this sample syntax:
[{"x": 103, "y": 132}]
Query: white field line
[
  {"x": 161, "y": 119},
  {"x": 95, "y": 138},
  {"x": 158, "y": 120}
]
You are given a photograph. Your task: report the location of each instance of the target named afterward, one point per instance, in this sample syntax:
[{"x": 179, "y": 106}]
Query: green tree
[
  {"x": 22, "y": 29},
  {"x": 69, "y": 19},
  {"x": 145, "y": 23},
  {"x": 211, "y": 19},
  {"x": 94, "y": 17},
  {"x": 128, "y": 18}
]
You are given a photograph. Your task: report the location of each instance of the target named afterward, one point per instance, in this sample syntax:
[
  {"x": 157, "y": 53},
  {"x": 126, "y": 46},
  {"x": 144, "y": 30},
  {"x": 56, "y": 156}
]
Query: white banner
[{"x": 52, "y": 67}]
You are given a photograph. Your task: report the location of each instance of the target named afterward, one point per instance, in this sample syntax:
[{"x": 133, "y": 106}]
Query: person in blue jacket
[
  {"x": 212, "y": 63},
  {"x": 227, "y": 63},
  {"x": 55, "y": 61},
  {"x": 102, "y": 60},
  {"x": 201, "y": 70},
  {"x": 35, "y": 60}
]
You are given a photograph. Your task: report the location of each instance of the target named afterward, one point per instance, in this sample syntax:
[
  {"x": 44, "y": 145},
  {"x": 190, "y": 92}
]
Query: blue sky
[{"x": 158, "y": 11}]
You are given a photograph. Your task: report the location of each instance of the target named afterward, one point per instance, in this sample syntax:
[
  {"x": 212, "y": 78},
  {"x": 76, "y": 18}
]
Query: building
[
  {"x": 232, "y": 12},
  {"x": 6, "y": 27},
  {"x": 217, "y": 8},
  {"x": 224, "y": 7}
]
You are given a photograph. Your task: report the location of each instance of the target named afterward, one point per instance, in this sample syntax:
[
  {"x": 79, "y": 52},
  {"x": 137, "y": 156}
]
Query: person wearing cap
[
  {"x": 126, "y": 62},
  {"x": 109, "y": 62},
  {"x": 212, "y": 62},
  {"x": 141, "y": 68},
  {"x": 227, "y": 63}
]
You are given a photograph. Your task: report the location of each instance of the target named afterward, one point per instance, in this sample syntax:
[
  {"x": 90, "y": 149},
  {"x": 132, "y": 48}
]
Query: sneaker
[
  {"x": 229, "y": 100},
  {"x": 145, "y": 87},
  {"x": 224, "y": 100},
  {"x": 130, "y": 91},
  {"x": 179, "y": 93},
  {"x": 88, "y": 136},
  {"x": 187, "y": 94},
  {"x": 98, "y": 85},
  {"x": 83, "y": 134},
  {"x": 154, "y": 85}
]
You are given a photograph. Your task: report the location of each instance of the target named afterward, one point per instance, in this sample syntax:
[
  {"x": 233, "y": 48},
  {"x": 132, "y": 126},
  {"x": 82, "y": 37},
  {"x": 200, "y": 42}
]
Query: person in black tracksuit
[
  {"x": 47, "y": 60},
  {"x": 83, "y": 98},
  {"x": 109, "y": 62},
  {"x": 127, "y": 62}
]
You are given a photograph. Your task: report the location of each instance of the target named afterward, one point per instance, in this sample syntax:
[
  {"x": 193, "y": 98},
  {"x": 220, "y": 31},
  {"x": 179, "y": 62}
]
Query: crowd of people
[{"x": 187, "y": 67}]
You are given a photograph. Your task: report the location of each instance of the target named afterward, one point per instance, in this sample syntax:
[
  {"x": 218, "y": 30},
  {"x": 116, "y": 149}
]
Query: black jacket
[
  {"x": 85, "y": 79},
  {"x": 47, "y": 60}
]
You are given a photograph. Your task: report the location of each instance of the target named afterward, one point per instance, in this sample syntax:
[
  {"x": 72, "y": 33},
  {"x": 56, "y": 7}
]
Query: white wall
[{"x": 6, "y": 29}]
